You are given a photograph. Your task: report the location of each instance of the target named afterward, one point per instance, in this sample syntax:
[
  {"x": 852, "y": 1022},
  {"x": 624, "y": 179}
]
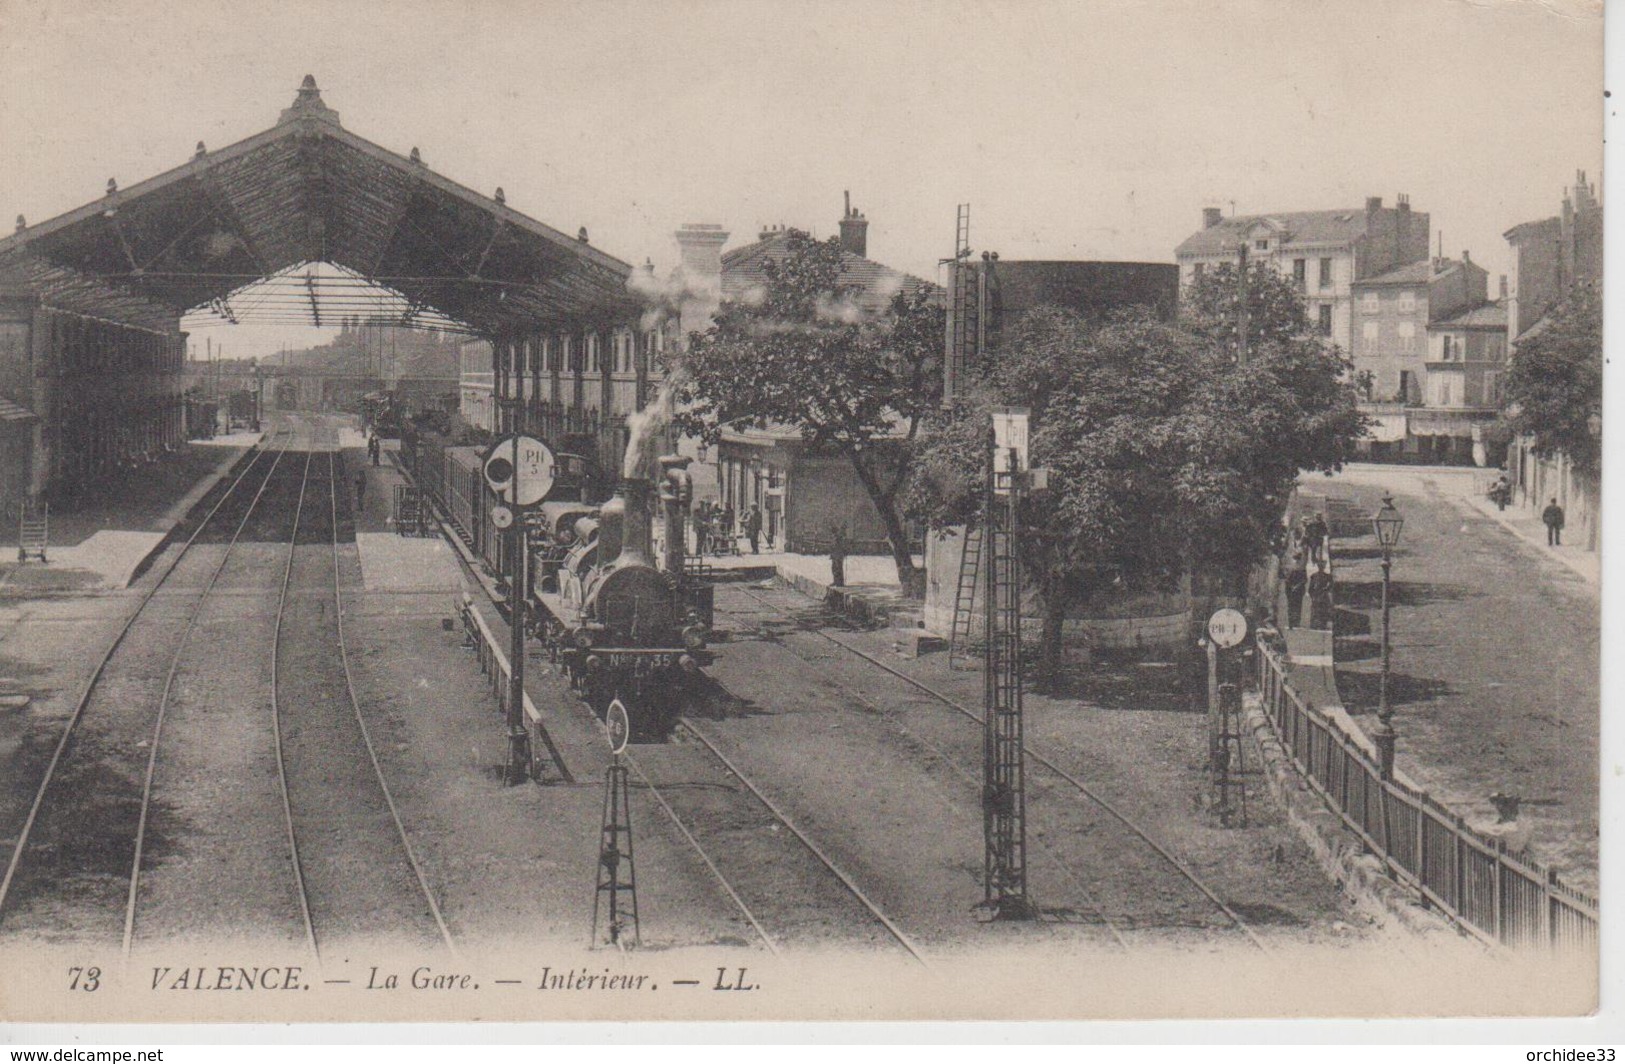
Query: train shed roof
[{"x": 309, "y": 191}]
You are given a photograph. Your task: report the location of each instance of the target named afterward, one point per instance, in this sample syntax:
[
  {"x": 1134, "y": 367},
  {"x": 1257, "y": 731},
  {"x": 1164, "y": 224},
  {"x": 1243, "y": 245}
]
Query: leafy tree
[
  {"x": 1165, "y": 456},
  {"x": 1275, "y": 310},
  {"x": 1553, "y": 389},
  {"x": 806, "y": 355}
]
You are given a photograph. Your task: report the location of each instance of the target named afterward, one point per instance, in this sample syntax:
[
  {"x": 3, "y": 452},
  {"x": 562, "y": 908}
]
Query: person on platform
[
  {"x": 374, "y": 449},
  {"x": 1320, "y": 598},
  {"x": 1315, "y": 534},
  {"x": 730, "y": 545},
  {"x": 360, "y": 490},
  {"x": 1297, "y": 582},
  {"x": 753, "y": 529},
  {"x": 1553, "y": 517}
]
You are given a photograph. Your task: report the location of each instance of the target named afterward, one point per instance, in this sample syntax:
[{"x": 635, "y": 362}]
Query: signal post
[{"x": 520, "y": 469}]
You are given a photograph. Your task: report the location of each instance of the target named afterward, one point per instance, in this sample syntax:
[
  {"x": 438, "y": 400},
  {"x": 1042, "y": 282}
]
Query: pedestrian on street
[
  {"x": 373, "y": 448},
  {"x": 753, "y": 528},
  {"x": 1315, "y": 534},
  {"x": 1501, "y": 492},
  {"x": 1553, "y": 516},
  {"x": 360, "y": 490},
  {"x": 1320, "y": 599},
  {"x": 1297, "y": 582},
  {"x": 730, "y": 545}
]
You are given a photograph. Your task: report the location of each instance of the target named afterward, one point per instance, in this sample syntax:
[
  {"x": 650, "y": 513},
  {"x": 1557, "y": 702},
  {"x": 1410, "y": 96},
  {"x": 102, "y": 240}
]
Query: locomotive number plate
[{"x": 647, "y": 659}]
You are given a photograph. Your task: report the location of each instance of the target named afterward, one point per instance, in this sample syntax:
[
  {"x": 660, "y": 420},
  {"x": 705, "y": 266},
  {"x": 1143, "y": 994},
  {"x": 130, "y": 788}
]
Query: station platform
[{"x": 105, "y": 541}]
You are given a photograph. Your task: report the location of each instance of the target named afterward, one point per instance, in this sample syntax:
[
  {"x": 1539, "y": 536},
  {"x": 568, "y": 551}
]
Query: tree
[
  {"x": 806, "y": 355},
  {"x": 1275, "y": 310},
  {"x": 1165, "y": 456},
  {"x": 1553, "y": 389}
]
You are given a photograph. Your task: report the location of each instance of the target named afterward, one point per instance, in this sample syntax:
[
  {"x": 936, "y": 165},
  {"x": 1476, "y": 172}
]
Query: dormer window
[{"x": 1261, "y": 245}]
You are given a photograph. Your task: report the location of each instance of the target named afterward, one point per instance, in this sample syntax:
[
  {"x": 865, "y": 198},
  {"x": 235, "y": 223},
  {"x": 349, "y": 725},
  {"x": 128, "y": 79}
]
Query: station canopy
[{"x": 307, "y": 223}]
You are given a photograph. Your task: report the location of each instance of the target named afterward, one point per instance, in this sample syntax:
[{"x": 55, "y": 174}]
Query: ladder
[
  {"x": 34, "y": 531},
  {"x": 970, "y": 575}
]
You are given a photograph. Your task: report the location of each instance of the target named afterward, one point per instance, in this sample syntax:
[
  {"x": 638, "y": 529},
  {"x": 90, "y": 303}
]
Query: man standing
[
  {"x": 1315, "y": 534},
  {"x": 837, "y": 558},
  {"x": 360, "y": 490},
  {"x": 1553, "y": 516},
  {"x": 1320, "y": 599},
  {"x": 753, "y": 528}
]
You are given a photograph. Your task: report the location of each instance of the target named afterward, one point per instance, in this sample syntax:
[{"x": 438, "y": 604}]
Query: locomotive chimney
[
  {"x": 676, "y": 491},
  {"x": 611, "y": 519},
  {"x": 635, "y": 523}
]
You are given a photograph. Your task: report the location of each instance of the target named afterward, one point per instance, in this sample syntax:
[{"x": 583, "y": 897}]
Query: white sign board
[
  {"x": 1009, "y": 434},
  {"x": 1227, "y": 627},
  {"x": 618, "y": 726},
  {"x": 526, "y": 460}
]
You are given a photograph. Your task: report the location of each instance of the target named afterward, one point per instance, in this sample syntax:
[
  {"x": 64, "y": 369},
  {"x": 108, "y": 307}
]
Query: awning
[{"x": 1386, "y": 428}]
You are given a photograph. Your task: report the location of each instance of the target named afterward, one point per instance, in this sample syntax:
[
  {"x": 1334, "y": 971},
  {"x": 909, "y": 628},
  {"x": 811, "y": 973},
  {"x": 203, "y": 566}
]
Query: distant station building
[{"x": 91, "y": 302}]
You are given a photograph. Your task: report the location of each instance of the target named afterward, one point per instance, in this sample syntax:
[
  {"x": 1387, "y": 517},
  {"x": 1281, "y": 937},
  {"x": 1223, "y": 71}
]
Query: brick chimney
[
  {"x": 854, "y": 230},
  {"x": 1211, "y": 216},
  {"x": 1503, "y": 286},
  {"x": 699, "y": 249},
  {"x": 1373, "y": 204}
]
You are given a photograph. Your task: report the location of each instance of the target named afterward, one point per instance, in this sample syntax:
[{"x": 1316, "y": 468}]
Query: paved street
[{"x": 1495, "y": 660}]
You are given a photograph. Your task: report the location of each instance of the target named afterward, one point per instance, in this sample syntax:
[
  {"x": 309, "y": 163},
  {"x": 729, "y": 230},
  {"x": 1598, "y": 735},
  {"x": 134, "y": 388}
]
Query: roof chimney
[
  {"x": 699, "y": 249},
  {"x": 1503, "y": 286},
  {"x": 854, "y": 230},
  {"x": 1404, "y": 199},
  {"x": 1466, "y": 257},
  {"x": 1211, "y": 216},
  {"x": 1373, "y": 203}
]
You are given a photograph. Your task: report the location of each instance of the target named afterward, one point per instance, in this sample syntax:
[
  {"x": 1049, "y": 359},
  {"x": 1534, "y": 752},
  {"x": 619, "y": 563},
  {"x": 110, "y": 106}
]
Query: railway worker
[
  {"x": 1320, "y": 598},
  {"x": 360, "y": 490},
  {"x": 753, "y": 528},
  {"x": 1297, "y": 582}
]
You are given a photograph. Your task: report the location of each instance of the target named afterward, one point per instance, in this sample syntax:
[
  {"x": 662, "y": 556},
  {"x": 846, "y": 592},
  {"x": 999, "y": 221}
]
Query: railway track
[
  {"x": 749, "y": 871},
  {"x": 1117, "y": 925},
  {"x": 104, "y": 758},
  {"x": 357, "y": 874}
]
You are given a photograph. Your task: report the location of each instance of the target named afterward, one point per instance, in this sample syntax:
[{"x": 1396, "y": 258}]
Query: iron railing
[{"x": 1468, "y": 875}]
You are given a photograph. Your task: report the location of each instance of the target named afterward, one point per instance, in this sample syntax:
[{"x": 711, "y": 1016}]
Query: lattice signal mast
[
  {"x": 1004, "y": 772},
  {"x": 991, "y": 545}
]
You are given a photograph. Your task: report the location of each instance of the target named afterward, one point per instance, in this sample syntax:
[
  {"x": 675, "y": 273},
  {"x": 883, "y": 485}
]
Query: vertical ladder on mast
[
  {"x": 970, "y": 576},
  {"x": 1004, "y": 800}
]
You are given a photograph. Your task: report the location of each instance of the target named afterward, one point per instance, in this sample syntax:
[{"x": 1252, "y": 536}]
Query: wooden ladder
[
  {"x": 970, "y": 572},
  {"x": 34, "y": 533}
]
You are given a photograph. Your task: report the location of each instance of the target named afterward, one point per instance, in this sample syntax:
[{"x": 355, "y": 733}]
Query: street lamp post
[{"x": 1387, "y": 523}]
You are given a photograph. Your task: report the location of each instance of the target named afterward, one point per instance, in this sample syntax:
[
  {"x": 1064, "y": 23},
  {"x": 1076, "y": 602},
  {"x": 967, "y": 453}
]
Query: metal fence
[{"x": 1468, "y": 875}]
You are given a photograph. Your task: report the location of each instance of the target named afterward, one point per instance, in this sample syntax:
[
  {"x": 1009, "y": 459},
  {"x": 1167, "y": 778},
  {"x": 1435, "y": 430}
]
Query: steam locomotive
[{"x": 622, "y": 624}]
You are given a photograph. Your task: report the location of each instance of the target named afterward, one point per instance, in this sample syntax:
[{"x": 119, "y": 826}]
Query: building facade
[
  {"x": 1324, "y": 252},
  {"x": 1549, "y": 257}
]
